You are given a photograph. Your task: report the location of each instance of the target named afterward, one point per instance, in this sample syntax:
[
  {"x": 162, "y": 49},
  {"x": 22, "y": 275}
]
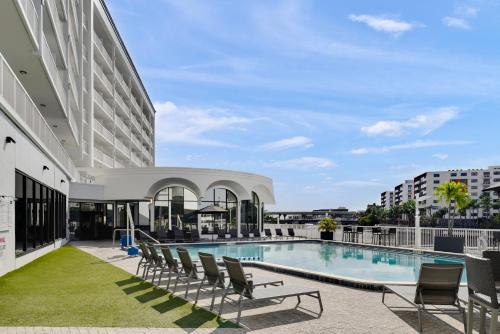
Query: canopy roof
[{"x": 212, "y": 209}]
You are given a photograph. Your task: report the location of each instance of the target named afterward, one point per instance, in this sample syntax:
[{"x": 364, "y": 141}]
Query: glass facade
[
  {"x": 175, "y": 207},
  {"x": 40, "y": 214},
  {"x": 250, "y": 213},
  {"x": 225, "y": 199},
  {"x": 90, "y": 221}
]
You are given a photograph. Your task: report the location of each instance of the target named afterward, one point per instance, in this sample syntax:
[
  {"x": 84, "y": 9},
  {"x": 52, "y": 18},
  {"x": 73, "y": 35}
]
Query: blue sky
[{"x": 336, "y": 101}]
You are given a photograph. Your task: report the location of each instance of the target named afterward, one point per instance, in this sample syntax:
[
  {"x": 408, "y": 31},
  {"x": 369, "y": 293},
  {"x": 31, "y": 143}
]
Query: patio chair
[
  {"x": 189, "y": 270},
  {"x": 376, "y": 235},
  {"x": 245, "y": 234},
  {"x": 157, "y": 265},
  {"x": 221, "y": 234},
  {"x": 494, "y": 256},
  {"x": 233, "y": 233},
  {"x": 438, "y": 284},
  {"x": 267, "y": 233},
  {"x": 291, "y": 233},
  {"x": 392, "y": 235},
  {"x": 195, "y": 235},
  {"x": 279, "y": 233},
  {"x": 171, "y": 265},
  {"x": 347, "y": 234},
  {"x": 449, "y": 244},
  {"x": 256, "y": 234},
  {"x": 240, "y": 285},
  {"x": 482, "y": 291},
  {"x": 145, "y": 261},
  {"x": 215, "y": 277},
  {"x": 359, "y": 231},
  {"x": 179, "y": 236}
]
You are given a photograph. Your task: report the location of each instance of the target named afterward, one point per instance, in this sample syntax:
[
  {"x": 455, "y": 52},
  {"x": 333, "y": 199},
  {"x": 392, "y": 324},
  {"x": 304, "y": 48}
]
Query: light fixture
[
  {"x": 9, "y": 140},
  {"x": 45, "y": 168},
  {"x": 62, "y": 181},
  {"x": 55, "y": 126},
  {"x": 43, "y": 105},
  {"x": 23, "y": 72}
]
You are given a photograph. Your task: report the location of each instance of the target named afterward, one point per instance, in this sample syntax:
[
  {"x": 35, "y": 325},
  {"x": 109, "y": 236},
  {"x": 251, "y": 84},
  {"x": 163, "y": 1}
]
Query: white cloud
[
  {"x": 466, "y": 11},
  {"x": 440, "y": 156},
  {"x": 192, "y": 125},
  {"x": 303, "y": 163},
  {"x": 455, "y": 22},
  {"x": 426, "y": 123},
  {"x": 385, "y": 24},
  {"x": 287, "y": 143},
  {"x": 408, "y": 146}
]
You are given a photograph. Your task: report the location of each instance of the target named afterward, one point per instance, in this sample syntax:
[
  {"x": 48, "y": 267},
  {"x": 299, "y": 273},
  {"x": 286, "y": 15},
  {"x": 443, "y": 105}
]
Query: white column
[
  {"x": 238, "y": 218},
  {"x": 418, "y": 241},
  {"x": 152, "y": 216}
]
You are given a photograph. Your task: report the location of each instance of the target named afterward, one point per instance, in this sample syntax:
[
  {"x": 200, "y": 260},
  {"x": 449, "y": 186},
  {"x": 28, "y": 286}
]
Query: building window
[
  {"x": 250, "y": 213},
  {"x": 463, "y": 174},
  {"x": 453, "y": 174},
  {"x": 473, "y": 181},
  {"x": 436, "y": 181},
  {"x": 436, "y": 175},
  {"x": 40, "y": 219}
]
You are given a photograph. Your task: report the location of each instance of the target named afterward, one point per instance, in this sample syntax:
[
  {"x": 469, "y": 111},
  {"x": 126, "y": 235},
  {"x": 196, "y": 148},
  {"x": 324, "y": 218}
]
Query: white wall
[{"x": 27, "y": 158}]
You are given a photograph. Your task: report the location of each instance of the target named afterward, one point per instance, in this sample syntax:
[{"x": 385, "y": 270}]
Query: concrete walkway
[{"x": 347, "y": 310}]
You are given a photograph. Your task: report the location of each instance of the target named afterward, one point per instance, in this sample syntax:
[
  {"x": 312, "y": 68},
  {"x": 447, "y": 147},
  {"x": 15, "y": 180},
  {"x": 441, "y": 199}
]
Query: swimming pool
[{"x": 369, "y": 264}]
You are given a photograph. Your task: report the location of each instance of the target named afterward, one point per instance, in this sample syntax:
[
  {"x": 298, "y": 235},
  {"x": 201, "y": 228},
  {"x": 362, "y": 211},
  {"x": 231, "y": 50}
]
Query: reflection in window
[
  {"x": 250, "y": 213},
  {"x": 175, "y": 207}
]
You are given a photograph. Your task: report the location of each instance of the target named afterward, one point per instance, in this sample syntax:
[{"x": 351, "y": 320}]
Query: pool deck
[{"x": 346, "y": 309}]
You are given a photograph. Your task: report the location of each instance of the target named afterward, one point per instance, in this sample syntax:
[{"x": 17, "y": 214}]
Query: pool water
[{"x": 357, "y": 262}]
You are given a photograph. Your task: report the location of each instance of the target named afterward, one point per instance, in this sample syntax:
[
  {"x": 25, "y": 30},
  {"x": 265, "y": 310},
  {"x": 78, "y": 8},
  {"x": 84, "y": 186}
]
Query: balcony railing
[
  {"x": 59, "y": 29},
  {"x": 122, "y": 126},
  {"x": 86, "y": 147},
  {"x": 100, "y": 45},
  {"x": 103, "y": 157},
  {"x": 135, "y": 105},
  {"x": 121, "y": 80},
  {"x": 119, "y": 164},
  {"x": 135, "y": 159},
  {"x": 135, "y": 122},
  {"x": 74, "y": 125},
  {"x": 122, "y": 105},
  {"x": 122, "y": 148},
  {"x": 136, "y": 142},
  {"x": 101, "y": 75},
  {"x": 99, "y": 99},
  {"x": 54, "y": 72},
  {"x": 28, "y": 116},
  {"x": 31, "y": 16},
  {"x": 103, "y": 131}
]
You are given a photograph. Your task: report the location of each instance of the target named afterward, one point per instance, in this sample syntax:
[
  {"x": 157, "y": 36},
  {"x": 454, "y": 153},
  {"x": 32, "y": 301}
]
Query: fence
[{"x": 476, "y": 240}]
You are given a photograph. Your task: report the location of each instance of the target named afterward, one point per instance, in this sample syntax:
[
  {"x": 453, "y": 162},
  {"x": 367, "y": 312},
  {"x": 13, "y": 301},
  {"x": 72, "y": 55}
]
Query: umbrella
[{"x": 211, "y": 209}]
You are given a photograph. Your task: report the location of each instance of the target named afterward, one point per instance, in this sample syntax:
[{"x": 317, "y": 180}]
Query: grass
[{"x": 69, "y": 287}]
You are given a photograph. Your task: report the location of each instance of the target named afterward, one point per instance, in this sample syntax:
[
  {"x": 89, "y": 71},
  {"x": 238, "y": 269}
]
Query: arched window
[
  {"x": 225, "y": 199},
  {"x": 175, "y": 206}
]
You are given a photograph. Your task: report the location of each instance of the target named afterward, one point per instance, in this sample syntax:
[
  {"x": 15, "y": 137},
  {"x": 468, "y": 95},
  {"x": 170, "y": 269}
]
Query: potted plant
[{"x": 327, "y": 226}]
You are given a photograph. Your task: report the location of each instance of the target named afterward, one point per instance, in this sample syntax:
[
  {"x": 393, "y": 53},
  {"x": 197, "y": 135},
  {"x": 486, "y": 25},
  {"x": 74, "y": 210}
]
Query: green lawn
[{"x": 69, "y": 287}]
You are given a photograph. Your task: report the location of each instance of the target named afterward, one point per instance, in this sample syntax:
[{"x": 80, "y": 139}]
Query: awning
[
  {"x": 211, "y": 209},
  {"x": 493, "y": 187}
]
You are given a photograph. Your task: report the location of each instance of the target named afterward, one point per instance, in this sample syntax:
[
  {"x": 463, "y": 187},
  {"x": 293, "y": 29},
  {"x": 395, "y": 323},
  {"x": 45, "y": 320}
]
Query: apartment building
[
  {"x": 77, "y": 149},
  {"x": 403, "y": 192},
  {"x": 387, "y": 199},
  {"x": 475, "y": 180}
]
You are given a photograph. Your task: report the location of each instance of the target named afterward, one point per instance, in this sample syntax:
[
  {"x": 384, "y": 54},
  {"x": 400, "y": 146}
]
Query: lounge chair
[
  {"x": 438, "y": 284},
  {"x": 291, "y": 233},
  {"x": 482, "y": 291},
  {"x": 179, "y": 236},
  {"x": 189, "y": 270},
  {"x": 256, "y": 234},
  {"x": 279, "y": 233},
  {"x": 233, "y": 233},
  {"x": 245, "y": 234},
  {"x": 240, "y": 285},
  {"x": 268, "y": 234},
  {"x": 216, "y": 278},
  {"x": 449, "y": 244},
  {"x": 158, "y": 263},
  {"x": 146, "y": 259},
  {"x": 377, "y": 235},
  {"x": 221, "y": 234},
  {"x": 171, "y": 265}
]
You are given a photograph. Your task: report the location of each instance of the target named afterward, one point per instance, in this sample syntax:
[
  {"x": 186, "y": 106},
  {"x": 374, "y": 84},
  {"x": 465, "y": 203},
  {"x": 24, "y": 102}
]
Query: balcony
[
  {"x": 148, "y": 141},
  {"x": 118, "y": 164},
  {"x": 122, "y": 148},
  {"x": 135, "y": 159},
  {"x": 105, "y": 107},
  {"x": 105, "y": 133},
  {"x": 102, "y": 51},
  {"x": 103, "y": 158},
  {"x": 121, "y": 82},
  {"x": 135, "y": 105},
  {"x": 135, "y": 123},
  {"x": 54, "y": 73},
  {"x": 24, "y": 111},
  {"x": 99, "y": 72},
  {"x": 136, "y": 142},
  {"x": 120, "y": 124},
  {"x": 58, "y": 27},
  {"x": 122, "y": 105},
  {"x": 85, "y": 146},
  {"x": 31, "y": 17}
]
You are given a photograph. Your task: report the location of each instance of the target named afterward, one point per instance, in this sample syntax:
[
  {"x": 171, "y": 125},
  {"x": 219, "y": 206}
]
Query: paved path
[{"x": 347, "y": 310}]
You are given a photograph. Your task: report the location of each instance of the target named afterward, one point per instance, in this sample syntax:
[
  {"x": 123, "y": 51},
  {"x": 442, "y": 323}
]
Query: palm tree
[
  {"x": 473, "y": 206},
  {"x": 452, "y": 192},
  {"x": 408, "y": 209}
]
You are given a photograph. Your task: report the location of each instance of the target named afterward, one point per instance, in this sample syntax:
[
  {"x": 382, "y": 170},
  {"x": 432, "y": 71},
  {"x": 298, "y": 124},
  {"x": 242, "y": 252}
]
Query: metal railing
[
  {"x": 136, "y": 231},
  {"x": 103, "y": 131},
  {"x": 59, "y": 29},
  {"x": 135, "y": 104},
  {"x": 100, "y": 46},
  {"x": 21, "y": 104},
  {"x": 123, "y": 106},
  {"x": 104, "y": 78},
  {"x": 53, "y": 71},
  {"x": 122, "y": 148},
  {"x": 135, "y": 122},
  {"x": 103, "y": 157},
  {"x": 99, "y": 99},
  {"x": 121, "y": 80},
  {"x": 31, "y": 16},
  {"x": 476, "y": 240},
  {"x": 135, "y": 159},
  {"x": 122, "y": 126},
  {"x": 136, "y": 141}
]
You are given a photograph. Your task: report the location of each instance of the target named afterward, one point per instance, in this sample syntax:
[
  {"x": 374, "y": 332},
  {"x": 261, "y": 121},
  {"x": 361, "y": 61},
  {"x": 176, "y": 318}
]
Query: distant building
[
  {"x": 387, "y": 199},
  {"x": 341, "y": 215},
  {"x": 403, "y": 192}
]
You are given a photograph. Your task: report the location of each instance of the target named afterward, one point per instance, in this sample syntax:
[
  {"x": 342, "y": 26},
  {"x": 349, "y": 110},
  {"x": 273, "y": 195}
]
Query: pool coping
[{"x": 324, "y": 277}]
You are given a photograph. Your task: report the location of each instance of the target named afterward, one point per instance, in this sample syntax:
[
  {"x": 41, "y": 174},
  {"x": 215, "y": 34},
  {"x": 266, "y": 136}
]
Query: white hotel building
[{"x": 77, "y": 139}]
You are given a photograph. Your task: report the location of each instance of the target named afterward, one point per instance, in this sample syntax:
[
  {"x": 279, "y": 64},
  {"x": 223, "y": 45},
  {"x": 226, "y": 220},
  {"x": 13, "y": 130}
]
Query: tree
[
  {"x": 485, "y": 204},
  {"x": 452, "y": 192},
  {"x": 473, "y": 206},
  {"x": 408, "y": 209}
]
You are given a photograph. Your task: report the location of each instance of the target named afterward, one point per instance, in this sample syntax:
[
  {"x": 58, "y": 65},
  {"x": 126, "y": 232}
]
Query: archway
[{"x": 175, "y": 207}]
